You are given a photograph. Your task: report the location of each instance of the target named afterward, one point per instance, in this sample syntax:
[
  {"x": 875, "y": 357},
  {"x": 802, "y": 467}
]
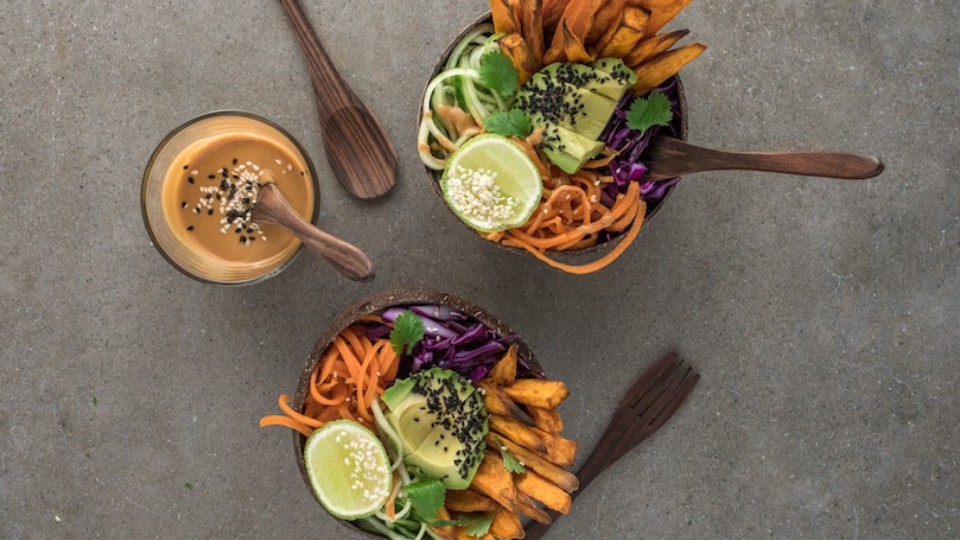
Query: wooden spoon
[
  {"x": 360, "y": 153},
  {"x": 668, "y": 157},
  {"x": 273, "y": 208}
]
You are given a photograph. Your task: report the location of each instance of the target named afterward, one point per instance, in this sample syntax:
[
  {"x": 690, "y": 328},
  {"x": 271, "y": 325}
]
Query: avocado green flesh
[
  {"x": 431, "y": 420},
  {"x": 573, "y": 104},
  {"x": 571, "y": 150}
]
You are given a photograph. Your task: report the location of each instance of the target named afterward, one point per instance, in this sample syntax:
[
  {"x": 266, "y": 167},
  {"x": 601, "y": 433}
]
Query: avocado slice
[
  {"x": 574, "y": 103},
  {"x": 442, "y": 424},
  {"x": 618, "y": 70},
  {"x": 569, "y": 150}
]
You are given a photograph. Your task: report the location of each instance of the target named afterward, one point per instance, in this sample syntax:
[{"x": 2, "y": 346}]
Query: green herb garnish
[
  {"x": 653, "y": 110},
  {"x": 479, "y": 527},
  {"x": 512, "y": 123},
  {"x": 427, "y": 497},
  {"x": 498, "y": 74},
  {"x": 407, "y": 331},
  {"x": 510, "y": 463}
]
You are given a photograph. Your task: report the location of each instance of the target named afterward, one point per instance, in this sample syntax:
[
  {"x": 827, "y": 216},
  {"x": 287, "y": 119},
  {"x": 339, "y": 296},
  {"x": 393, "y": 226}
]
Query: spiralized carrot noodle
[
  {"x": 350, "y": 375},
  {"x": 570, "y": 215}
]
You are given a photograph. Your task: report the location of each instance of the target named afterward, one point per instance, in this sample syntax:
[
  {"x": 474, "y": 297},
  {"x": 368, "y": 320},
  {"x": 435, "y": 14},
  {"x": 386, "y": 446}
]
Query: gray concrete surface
[{"x": 823, "y": 315}]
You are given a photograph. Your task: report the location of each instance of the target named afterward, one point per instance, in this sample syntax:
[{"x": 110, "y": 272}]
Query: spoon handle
[
  {"x": 344, "y": 257},
  {"x": 333, "y": 94},
  {"x": 671, "y": 157}
]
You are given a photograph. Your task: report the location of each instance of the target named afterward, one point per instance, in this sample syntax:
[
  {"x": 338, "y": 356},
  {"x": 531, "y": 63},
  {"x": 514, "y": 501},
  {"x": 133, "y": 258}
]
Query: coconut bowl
[
  {"x": 679, "y": 124},
  {"x": 375, "y": 304}
]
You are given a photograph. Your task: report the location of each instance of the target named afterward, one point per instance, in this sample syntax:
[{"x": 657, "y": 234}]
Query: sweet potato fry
[
  {"x": 462, "y": 535},
  {"x": 448, "y": 532},
  {"x": 573, "y": 47},
  {"x": 652, "y": 46},
  {"x": 621, "y": 42},
  {"x": 661, "y": 12},
  {"x": 552, "y": 447},
  {"x": 606, "y": 20},
  {"x": 529, "y": 508},
  {"x": 537, "y": 392},
  {"x": 514, "y": 46},
  {"x": 658, "y": 69},
  {"x": 518, "y": 433},
  {"x": 531, "y": 27},
  {"x": 538, "y": 488},
  {"x": 468, "y": 500},
  {"x": 496, "y": 402},
  {"x": 578, "y": 17},
  {"x": 552, "y": 11},
  {"x": 506, "y": 526},
  {"x": 506, "y": 15},
  {"x": 504, "y": 372},
  {"x": 494, "y": 481},
  {"x": 548, "y": 420},
  {"x": 564, "y": 479}
]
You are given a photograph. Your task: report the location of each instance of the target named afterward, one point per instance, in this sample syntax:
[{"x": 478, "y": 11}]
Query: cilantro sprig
[
  {"x": 498, "y": 74},
  {"x": 653, "y": 110},
  {"x": 480, "y": 525},
  {"x": 427, "y": 497},
  {"x": 510, "y": 462},
  {"x": 407, "y": 331},
  {"x": 512, "y": 123}
]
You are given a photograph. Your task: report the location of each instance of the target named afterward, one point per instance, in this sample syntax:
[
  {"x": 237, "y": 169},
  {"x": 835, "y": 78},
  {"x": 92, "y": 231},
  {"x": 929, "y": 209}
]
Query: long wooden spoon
[
  {"x": 360, "y": 153},
  {"x": 273, "y": 208},
  {"x": 668, "y": 157}
]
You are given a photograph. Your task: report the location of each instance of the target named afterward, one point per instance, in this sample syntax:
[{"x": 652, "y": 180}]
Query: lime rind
[
  {"x": 508, "y": 181},
  {"x": 348, "y": 469}
]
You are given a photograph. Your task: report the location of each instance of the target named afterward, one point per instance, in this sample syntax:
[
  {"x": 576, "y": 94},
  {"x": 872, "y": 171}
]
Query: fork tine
[
  {"x": 672, "y": 399},
  {"x": 648, "y": 380},
  {"x": 663, "y": 383}
]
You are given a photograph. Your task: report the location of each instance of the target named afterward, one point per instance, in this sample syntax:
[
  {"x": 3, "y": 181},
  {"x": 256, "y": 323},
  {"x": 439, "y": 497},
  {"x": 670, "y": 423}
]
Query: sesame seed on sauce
[{"x": 232, "y": 197}]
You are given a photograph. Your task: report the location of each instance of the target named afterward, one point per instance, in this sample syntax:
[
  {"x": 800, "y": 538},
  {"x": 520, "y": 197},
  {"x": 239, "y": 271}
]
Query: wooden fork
[{"x": 649, "y": 403}]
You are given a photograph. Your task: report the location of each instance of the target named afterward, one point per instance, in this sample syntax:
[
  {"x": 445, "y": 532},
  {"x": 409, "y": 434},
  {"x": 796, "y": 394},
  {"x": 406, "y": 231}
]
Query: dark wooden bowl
[
  {"x": 372, "y": 304},
  {"x": 597, "y": 249}
]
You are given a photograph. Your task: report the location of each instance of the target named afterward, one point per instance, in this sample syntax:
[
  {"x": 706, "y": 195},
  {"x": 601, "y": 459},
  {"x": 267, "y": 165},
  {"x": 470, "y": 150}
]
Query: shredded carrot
[
  {"x": 349, "y": 376},
  {"x": 570, "y": 215},
  {"x": 280, "y": 420}
]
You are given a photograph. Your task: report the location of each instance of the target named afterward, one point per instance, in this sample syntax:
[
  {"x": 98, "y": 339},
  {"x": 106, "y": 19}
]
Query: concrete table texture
[{"x": 823, "y": 315}]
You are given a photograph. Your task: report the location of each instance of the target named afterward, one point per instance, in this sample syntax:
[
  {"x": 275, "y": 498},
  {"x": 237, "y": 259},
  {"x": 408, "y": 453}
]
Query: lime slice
[
  {"x": 491, "y": 184},
  {"x": 348, "y": 469}
]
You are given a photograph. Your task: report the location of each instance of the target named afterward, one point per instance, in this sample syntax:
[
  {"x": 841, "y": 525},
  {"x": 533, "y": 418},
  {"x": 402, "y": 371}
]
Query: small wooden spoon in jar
[{"x": 273, "y": 208}]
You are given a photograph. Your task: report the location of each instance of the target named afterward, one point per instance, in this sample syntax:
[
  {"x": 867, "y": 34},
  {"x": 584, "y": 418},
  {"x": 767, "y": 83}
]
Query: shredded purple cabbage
[
  {"x": 453, "y": 340},
  {"x": 627, "y": 166}
]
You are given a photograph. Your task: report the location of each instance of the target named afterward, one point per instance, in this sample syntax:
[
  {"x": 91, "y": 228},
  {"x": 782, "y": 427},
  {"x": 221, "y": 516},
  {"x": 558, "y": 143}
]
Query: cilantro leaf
[
  {"x": 480, "y": 526},
  {"x": 512, "y": 123},
  {"x": 426, "y": 496},
  {"x": 407, "y": 331},
  {"x": 498, "y": 74},
  {"x": 653, "y": 110},
  {"x": 510, "y": 463}
]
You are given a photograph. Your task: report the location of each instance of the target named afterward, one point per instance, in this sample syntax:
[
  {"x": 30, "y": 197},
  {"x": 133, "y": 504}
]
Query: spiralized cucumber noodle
[{"x": 457, "y": 86}]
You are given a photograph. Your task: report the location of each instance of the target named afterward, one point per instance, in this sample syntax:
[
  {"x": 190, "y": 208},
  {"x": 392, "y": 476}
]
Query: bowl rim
[
  {"x": 370, "y": 304},
  {"x": 566, "y": 255},
  {"x": 176, "y": 131}
]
